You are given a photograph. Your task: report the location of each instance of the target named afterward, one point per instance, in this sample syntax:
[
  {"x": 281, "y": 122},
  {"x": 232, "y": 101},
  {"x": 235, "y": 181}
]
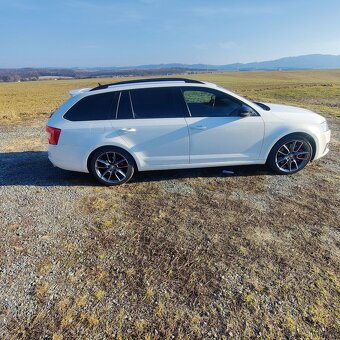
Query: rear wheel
[
  {"x": 112, "y": 166},
  {"x": 290, "y": 154}
]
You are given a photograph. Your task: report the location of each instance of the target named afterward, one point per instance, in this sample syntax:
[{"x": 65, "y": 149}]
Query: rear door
[{"x": 152, "y": 124}]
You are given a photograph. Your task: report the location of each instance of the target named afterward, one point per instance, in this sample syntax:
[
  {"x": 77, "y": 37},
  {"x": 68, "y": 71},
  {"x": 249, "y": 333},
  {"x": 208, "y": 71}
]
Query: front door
[{"x": 218, "y": 134}]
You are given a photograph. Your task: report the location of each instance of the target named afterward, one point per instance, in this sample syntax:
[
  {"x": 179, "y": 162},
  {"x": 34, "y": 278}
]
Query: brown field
[
  {"x": 173, "y": 254},
  {"x": 317, "y": 90}
]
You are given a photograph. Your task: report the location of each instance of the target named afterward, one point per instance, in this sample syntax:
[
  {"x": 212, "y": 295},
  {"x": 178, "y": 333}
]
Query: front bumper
[{"x": 322, "y": 148}]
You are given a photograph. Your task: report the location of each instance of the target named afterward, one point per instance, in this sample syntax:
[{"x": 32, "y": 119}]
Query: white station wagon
[{"x": 116, "y": 129}]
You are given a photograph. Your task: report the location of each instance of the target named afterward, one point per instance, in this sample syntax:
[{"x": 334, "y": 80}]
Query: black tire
[
  {"x": 284, "y": 160},
  {"x": 112, "y": 161}
]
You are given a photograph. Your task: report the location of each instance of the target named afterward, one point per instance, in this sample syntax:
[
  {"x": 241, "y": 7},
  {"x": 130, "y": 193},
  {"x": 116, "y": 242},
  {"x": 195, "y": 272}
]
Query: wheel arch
[
  {"x": 304, "y": 134},
  {"x": 137, "y": 165}
]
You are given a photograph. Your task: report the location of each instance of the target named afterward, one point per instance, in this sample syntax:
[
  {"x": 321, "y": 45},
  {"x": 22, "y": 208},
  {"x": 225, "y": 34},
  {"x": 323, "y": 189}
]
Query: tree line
[{"x": 29, "y": 74}]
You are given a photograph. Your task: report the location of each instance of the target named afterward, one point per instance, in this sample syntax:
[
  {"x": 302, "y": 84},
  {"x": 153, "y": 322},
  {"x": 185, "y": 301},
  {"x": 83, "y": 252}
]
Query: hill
[{"x": 305, "y": 62}]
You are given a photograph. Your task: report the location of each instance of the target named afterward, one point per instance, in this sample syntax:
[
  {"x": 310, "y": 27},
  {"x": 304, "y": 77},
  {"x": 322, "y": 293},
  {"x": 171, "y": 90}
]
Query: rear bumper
[
  {"x": 68, "y": 158},
  {"x": 322, "y": 148}
]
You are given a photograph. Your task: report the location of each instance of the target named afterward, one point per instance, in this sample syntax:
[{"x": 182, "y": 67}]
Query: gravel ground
[{"x": 43, "y": 217}]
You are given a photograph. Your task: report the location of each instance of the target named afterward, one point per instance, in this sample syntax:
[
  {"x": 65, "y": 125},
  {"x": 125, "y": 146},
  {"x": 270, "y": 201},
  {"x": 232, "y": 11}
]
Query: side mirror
[{"x": 245, "y": 111}]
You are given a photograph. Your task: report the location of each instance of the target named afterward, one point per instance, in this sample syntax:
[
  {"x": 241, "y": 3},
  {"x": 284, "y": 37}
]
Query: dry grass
[
  {"x": 30, "y": 144},
  {"x": 189, "y": 254},
  {"x": 317, "y": 90}
]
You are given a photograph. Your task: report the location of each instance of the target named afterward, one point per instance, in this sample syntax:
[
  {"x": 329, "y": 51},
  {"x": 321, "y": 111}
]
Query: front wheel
[
  {"x": 290, "y": 154},
  {"x": 112, "y": 166}
]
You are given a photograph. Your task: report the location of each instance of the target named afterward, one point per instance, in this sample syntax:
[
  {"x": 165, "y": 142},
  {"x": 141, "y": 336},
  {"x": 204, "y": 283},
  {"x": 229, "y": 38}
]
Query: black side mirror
[{"x": 245, "y": 111}]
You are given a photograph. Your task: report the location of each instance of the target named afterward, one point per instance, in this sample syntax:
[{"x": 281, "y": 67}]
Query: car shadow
[{"x": 34, "y": 168}]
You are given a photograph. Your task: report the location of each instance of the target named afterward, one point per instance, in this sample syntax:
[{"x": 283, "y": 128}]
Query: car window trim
[
  {"x": 118, "y": 103},
  {"x": 110, "y": 113},
  {"x": 186, "y": 104},
  {"x": 131, "y": 104}
]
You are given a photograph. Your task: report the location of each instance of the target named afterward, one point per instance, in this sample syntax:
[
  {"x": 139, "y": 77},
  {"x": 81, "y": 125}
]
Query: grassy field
[
  {"x": 317, "y": 90},
  {"x": 173, "y": 254}
]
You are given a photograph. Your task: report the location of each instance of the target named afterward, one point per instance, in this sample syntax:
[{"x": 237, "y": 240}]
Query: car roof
[{"x": 140, "y": 84}]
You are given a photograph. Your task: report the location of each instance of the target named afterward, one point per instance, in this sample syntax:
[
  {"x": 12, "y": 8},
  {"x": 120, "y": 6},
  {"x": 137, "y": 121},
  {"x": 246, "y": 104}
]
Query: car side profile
[{"x": 116, "y": 129}]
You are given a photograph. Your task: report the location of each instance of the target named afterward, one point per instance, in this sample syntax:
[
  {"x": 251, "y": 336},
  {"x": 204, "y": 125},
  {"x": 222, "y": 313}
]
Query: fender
[
  {"x": 267, "y": 147},
  {"x": 118, "y": 145}
]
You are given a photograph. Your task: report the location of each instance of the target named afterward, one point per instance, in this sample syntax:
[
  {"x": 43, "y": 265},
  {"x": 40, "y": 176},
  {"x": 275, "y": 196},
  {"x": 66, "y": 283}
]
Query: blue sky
[{"x": 67, "y": 33}]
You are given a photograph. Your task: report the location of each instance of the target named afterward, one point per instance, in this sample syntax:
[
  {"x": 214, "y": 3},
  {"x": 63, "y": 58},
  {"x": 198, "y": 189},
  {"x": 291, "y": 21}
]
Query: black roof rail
[{"x": 148, "y": 80}]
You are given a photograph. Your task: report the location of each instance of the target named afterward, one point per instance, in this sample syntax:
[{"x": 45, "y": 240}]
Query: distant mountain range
[
  {"x": 305, "y": 62},
  {"x": 310, "y": 61}
]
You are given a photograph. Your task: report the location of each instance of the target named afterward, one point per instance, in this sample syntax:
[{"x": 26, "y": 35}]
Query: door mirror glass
[{"x": 245, "y": 111}]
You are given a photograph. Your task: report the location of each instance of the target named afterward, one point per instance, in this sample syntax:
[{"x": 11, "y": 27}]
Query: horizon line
[{"x": 168, "y": 63}]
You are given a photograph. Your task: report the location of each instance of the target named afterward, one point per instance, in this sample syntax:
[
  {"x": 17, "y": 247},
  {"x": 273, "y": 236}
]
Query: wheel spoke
[
  {"x": 293, "y": 146},
  {"x": 105, "y": 172},
  {"x": 286, "y": 161},
  {"x": 111, "y": 157},
  {"x": 114, "y": 158},
  {"x": 110, "y": 175},
  {"x": 103, "y": 162},
  {"x": 121, "y": 172},
  {"x": 286, "y": 148},
  {"x": 301, "y": 143},
  {"x": 295, "y": 162}
]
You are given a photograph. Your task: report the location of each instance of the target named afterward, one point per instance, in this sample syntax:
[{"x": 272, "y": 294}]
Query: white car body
[{"x": 188, "y": 142}]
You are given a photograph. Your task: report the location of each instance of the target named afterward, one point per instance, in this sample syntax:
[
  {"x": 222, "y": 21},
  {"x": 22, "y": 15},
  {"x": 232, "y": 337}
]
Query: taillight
[{"x": 54, "y": 135}]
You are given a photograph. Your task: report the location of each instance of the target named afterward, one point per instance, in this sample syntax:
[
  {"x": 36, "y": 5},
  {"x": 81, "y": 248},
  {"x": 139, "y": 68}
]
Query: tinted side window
[
  {"x": 124, "y": 107},
  {"x": 158, "y": 103},
  {"x": 211, "y": 103},
  {"x": 95, "y": 107}
]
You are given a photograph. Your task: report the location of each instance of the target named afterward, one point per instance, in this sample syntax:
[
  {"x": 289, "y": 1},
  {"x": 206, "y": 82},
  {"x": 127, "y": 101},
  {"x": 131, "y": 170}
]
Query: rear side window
[
  {"x": 158, "y": 103},
  {"x": 96, "y": 107}
]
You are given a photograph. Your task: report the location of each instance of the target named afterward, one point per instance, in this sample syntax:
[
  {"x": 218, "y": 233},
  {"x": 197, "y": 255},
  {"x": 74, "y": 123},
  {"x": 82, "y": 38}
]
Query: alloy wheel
[
  {"x": 292, "y": 156},
  {"x": 112, "y": 167}
]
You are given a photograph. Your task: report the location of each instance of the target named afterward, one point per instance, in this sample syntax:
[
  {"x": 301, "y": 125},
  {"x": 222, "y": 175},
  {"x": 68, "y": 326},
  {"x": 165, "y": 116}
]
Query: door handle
[
  {"x": 128, "y": 129},
  {"x": 198, "y": 127}
]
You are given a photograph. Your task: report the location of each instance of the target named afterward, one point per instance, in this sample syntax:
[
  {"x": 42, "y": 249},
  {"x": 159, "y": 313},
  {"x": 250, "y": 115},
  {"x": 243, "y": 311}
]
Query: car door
[
  {"x": 218, "y": 133},
  {"x": 152, "y": 124}
]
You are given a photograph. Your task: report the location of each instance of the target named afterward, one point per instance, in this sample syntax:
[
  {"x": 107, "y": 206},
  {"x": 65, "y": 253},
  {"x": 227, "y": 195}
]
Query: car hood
[{"x": 294, "y": 113}]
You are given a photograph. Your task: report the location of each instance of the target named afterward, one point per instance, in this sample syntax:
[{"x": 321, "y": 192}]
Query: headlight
[{"x": 324, "y": 126}]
